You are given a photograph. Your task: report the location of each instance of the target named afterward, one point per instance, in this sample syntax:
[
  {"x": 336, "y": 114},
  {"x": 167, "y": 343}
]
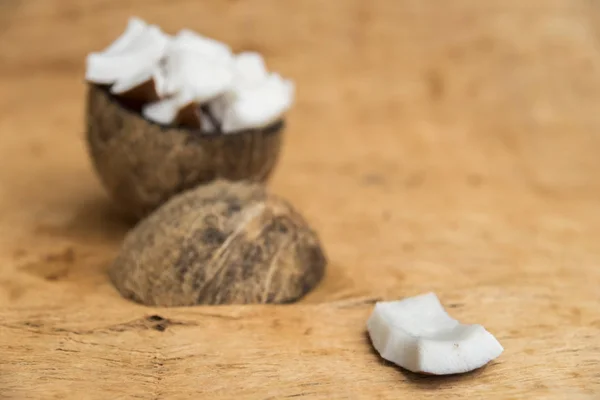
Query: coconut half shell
[
  {"x": 142, "y": 164},
  {"x": 222, "y": 243}
]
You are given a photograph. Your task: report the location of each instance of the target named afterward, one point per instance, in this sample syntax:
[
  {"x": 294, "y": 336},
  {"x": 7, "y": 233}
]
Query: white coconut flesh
[
  {"x": 138, "y": 78},
  {"x": 418, "y": 335},
  {"x": 165, "y": 111},
  {"x": 186, "y": 68},
  {"x": 134, "y": 52},
  {"x": 135, "y": 27},
  {"x": 203, "y": 77}
]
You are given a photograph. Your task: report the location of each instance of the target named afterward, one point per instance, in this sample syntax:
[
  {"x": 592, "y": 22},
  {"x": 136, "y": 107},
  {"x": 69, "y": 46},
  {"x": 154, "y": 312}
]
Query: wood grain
[{"x": 436, "y": 146}]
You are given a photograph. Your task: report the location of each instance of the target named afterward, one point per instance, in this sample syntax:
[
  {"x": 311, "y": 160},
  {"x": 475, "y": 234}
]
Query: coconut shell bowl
[
  {"x": 141, "y": 164},
  {"x": 168, "y": 112}
]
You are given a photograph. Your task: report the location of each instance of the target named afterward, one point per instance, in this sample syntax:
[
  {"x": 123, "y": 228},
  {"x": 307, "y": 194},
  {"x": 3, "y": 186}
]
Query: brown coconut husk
[
  {"x": 222, "y": 243},
  {"x": 142, "y": 164}
]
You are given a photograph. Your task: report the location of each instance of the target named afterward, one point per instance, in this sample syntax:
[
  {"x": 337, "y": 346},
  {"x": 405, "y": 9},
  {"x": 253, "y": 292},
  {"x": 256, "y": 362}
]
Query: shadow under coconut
[
  {"x": 337, "y": 284},
  {"x": 427, "y": 381},
  {"x": 96, "y": 221},
  {"x": 81, "y": 249}
]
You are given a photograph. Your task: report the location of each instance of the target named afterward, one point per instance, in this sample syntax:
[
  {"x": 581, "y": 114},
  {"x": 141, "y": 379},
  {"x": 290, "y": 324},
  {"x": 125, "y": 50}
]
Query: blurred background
[
  {"x": 440, "y": 146},
  {"x": 418, "y": 127}
]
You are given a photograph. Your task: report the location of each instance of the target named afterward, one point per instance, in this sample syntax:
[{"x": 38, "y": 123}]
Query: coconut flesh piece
[
  {"x": 165, "y": 111},
  {"x": 171, "y": 75},
  {"x": 418, "y": 335},
  {"x": 135, "y": 27},
  {"x": 199, "y": 65},
  {"x": 187, "y": 40},
  {"x": 257, "y": 98},
  {"x": 144, "y": 85},
  {"x": 135, "y": 53},
  {"x": 252, "y": 97},
  {"x": 196, "y": 71}
]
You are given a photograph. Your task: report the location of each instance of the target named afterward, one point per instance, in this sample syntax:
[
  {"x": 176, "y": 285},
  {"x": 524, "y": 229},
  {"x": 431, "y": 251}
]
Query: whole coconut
[
  {"x": 222, "y": 243},
  {"x": 142, "y": 164}
]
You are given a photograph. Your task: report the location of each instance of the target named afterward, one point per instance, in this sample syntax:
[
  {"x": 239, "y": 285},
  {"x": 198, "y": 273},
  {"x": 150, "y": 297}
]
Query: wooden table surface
[{"x": 436, "y": 146}]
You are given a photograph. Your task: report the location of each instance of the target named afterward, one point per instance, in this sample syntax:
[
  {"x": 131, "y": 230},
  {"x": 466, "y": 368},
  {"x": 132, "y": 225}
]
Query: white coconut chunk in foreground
[
  {"x": 165, "y": 111},
  {"x": 130, "y": 55},
  {"x": 417, "y": 334}
]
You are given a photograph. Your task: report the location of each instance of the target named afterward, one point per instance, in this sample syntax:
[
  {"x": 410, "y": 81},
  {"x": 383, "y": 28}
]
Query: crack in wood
[
  {"x": 153, "y": 322},
  {"x": 158, "y": 373},
  {"x": 355, "y": 302}
]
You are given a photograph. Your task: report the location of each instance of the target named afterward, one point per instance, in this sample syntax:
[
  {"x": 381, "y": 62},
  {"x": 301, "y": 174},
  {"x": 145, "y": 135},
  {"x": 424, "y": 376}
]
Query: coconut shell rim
[{"x": 272, "y": 128}]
